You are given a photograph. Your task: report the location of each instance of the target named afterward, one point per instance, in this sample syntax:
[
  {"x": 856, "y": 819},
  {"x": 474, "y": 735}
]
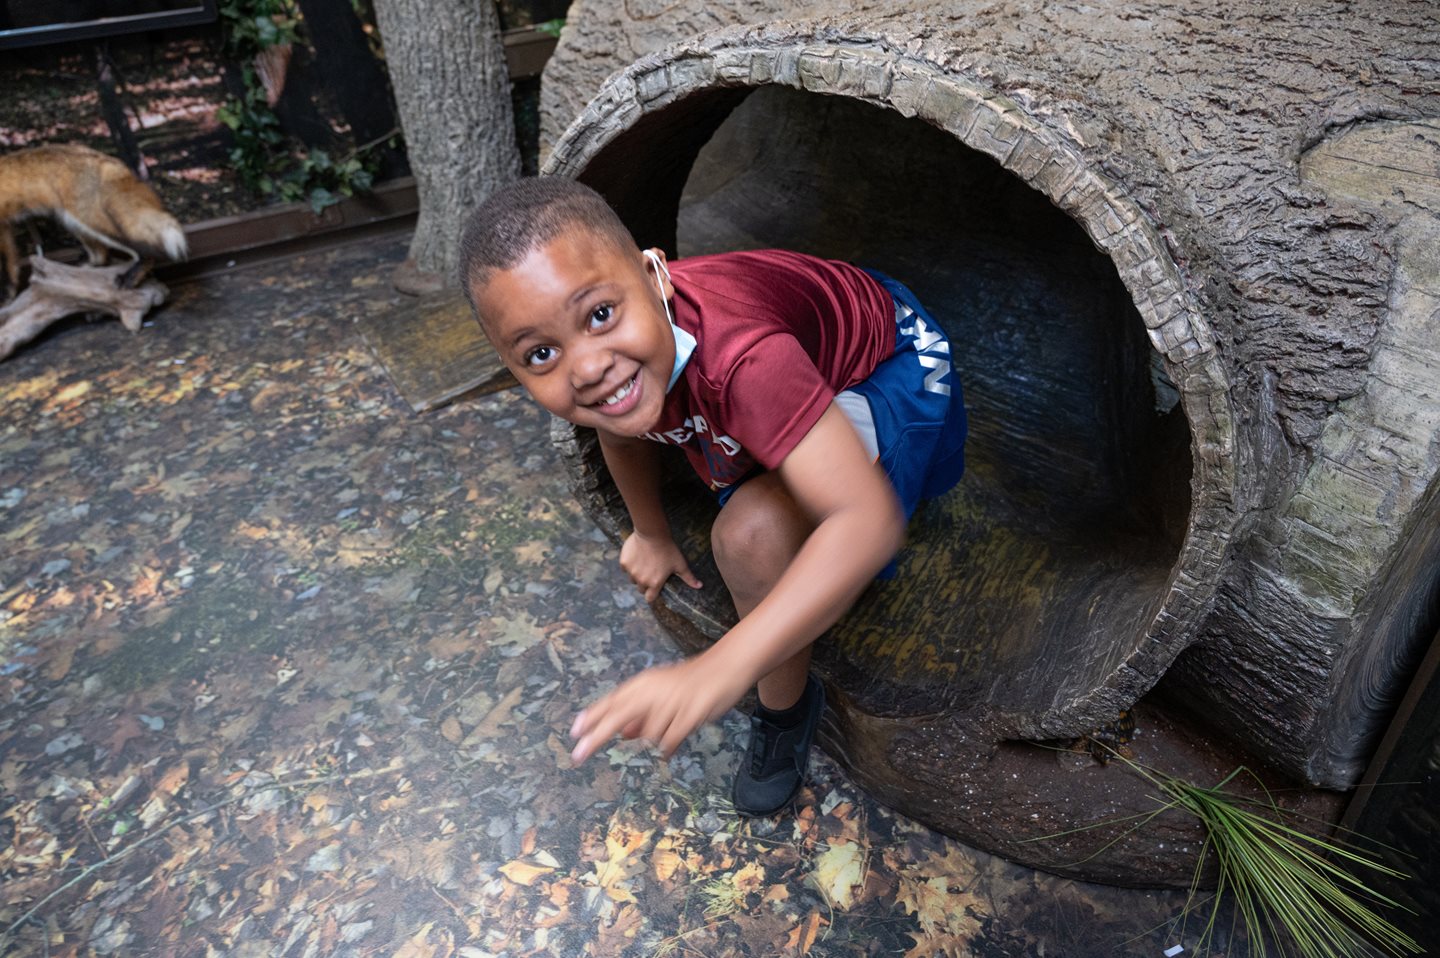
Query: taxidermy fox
[{"x": 92, "y": 195}]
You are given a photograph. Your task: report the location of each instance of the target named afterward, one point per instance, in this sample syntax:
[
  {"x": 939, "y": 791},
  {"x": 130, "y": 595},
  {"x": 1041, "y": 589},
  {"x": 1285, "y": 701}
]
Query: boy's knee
[{"x": 758, "y": 532}]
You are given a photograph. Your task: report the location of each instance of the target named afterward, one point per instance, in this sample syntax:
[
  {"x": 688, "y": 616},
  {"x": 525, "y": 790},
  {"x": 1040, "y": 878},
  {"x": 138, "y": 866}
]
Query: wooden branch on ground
[{"x": 57, "y": 291}]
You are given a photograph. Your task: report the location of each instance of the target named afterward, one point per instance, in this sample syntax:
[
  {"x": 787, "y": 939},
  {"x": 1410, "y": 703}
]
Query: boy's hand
[
  {"x": 649, "y": 561},
  {"x": 661, "y": 705}
]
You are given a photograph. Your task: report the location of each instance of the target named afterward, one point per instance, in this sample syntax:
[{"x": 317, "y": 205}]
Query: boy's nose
[{"x": 590, "y": 366}]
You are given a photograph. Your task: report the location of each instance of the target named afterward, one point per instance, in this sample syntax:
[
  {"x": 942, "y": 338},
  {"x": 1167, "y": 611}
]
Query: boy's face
[{"x": 581, "y": 324}]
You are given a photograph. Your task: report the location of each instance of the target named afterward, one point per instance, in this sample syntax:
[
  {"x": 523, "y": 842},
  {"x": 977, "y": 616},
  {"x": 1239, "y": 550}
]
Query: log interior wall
[
  {"x": 1058, "y": 544},
  {"x": 1060, "y": 583}
]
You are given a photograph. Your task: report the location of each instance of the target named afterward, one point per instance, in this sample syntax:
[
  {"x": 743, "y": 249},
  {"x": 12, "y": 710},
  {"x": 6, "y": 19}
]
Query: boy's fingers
[
  {"x": 680, "y": 728},
  {"x": 602, "y": 729},
  {"x": 689, "y": 578}
]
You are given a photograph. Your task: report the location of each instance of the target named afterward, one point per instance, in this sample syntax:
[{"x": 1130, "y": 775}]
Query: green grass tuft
[{"x": 1288, "y": 886}]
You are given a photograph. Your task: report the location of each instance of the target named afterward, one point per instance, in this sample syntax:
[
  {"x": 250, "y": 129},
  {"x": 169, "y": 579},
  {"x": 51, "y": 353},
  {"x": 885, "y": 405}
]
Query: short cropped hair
[{"x": 527, "y": 213}]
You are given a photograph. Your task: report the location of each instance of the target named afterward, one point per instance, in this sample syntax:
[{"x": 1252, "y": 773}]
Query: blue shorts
[{"x": 909, "y": 412}]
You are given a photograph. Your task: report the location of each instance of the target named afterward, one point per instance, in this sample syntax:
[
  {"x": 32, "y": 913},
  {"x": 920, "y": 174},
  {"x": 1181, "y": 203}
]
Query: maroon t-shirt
[{"x": 778, "y": 334}]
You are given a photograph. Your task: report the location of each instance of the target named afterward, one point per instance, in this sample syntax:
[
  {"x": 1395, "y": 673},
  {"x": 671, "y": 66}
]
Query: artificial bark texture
[
  {"x": 1210, "y": 449},
  {"x": 1328, "y": 610},
  {"x": 1202, "y": 113},
  {"x": 447, "y": 65},
  {"x": 57, "y": 291}
]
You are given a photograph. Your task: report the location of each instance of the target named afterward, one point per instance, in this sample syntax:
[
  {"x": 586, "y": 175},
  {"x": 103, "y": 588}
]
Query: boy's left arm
[{"x": 859, "y": 526}]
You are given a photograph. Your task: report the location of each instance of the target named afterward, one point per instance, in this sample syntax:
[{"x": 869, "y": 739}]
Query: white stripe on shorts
[{"x": 857, "y": 409}]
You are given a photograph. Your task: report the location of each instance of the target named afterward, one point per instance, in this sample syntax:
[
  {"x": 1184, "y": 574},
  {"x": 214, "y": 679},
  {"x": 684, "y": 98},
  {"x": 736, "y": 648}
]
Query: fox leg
[
  {"x": 95, "y": 254},
  {"x": 9, "y": 263},
  {"x": 132, "y": 276}
]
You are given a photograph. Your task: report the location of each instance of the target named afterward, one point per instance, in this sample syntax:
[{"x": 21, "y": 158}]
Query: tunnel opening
[
  {"x": 1077, "y": 490},
  {"x": 1034, "y": 597}
]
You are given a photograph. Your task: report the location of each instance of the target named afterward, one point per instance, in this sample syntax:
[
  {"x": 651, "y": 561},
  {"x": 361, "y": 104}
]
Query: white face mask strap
[{"x": 660, "y": 271}]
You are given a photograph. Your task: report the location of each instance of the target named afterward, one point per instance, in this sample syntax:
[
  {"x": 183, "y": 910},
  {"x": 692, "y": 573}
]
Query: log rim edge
[{"x": 1047, "y": 159}]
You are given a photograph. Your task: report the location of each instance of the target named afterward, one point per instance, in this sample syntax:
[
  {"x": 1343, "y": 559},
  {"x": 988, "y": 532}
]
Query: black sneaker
[{"x": 774, "y": 764}]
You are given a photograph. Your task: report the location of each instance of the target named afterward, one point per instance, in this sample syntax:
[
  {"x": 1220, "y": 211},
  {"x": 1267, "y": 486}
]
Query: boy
[{"x": 813, "y": 397}]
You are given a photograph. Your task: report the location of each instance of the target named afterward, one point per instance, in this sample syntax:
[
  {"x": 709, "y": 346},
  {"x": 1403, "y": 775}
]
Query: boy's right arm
[{"x": 649, "y": 555}]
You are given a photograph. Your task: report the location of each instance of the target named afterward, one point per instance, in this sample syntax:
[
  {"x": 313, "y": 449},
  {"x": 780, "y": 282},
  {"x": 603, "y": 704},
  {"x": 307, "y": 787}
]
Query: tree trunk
[{"x": 447, "y": 66}]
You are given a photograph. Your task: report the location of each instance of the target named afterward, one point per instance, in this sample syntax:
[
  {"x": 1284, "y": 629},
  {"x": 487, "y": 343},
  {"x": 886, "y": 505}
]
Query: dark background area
[{"x": 154, "y": 97}]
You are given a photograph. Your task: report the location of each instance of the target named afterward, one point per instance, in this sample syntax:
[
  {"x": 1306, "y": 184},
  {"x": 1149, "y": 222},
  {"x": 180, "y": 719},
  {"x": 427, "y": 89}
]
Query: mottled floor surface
[{"x": 287, "y": 671}]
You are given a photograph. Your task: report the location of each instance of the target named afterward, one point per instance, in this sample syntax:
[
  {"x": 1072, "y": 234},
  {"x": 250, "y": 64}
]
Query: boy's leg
[
  {"x": 755, "y": 538},
  {"x": 759, "y": 532}
]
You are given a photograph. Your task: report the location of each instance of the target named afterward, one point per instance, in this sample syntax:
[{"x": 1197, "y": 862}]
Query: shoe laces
[
  {"x": 760, "y": 732},
  {"x": 765, "y": 743}
]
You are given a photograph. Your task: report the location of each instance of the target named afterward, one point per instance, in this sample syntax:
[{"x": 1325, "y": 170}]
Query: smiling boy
[{"x": 815, "y": 398}]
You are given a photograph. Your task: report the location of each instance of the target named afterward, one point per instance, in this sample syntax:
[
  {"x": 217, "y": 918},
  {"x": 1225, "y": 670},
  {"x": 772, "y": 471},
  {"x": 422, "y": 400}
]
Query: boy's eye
[
  {"x": 539, "y": 356},
  {"x": 601, "y": 315}
]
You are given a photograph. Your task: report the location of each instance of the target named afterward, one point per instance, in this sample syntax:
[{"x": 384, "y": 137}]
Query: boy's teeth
[{"x": 620, "y": 393}]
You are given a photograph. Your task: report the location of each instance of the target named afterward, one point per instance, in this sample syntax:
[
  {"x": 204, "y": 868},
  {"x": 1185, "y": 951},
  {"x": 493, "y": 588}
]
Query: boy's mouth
[{"x": 621, "y": 399}]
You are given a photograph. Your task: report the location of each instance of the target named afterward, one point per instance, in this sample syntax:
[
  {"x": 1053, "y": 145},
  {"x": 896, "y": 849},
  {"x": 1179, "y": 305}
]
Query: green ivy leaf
[{"x": 321, "y": 198}]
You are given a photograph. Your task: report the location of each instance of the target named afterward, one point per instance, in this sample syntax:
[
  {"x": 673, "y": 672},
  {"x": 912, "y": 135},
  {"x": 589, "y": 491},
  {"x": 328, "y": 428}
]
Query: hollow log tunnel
[
  {"x": 1025, "y": 590},
  {"x": 1054, "y": 586},
  {"x": 1276, "y": 242}
]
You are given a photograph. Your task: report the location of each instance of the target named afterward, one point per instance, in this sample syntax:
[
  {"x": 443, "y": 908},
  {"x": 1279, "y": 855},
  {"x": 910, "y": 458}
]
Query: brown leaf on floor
[
  {"x": 802, "y": 937},
  {"x": 126, "y": 727},
  {"x": 621, "y": 863},
  {"x": 173, "y": 780},
  {"x": 937, "y": 891},
  {"x": 839, "y": 873},
  {"x": 60, "y": 660},
  {"x": 450, "y": 645},
  {"x": 525, "y": 873},
  {"x": 435, "y": 860},
  {"x": 665, "y": 859},
  {"x": 428, "y": 942},
  {"x": 942, "y": 946},
  {"x": 615, "y": 938},
  {"x": 489, "y": 726}
]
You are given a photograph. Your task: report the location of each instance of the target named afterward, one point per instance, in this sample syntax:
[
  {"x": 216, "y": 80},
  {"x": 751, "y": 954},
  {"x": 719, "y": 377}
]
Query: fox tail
[{"x": 145, "y": 232}]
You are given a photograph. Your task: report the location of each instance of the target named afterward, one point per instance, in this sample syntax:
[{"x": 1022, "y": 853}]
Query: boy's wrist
[
  {"x": 733, "y": 658},
  {"x": 660, "y": 535}
]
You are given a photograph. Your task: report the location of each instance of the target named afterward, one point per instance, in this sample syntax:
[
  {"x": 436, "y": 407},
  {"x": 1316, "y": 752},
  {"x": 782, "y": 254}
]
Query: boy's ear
[{"x": 655, "y": 263}]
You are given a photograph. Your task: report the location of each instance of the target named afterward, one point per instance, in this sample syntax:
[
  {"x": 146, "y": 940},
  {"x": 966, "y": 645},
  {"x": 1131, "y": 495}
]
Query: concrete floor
[{"x": 287, "y": 671}]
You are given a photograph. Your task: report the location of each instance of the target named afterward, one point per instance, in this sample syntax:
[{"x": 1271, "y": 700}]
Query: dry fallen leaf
[
  {"x": 616, "y": 937},
  {"x": 839, "y": 870},
  {"x": 523, "y": 872},
  {"x": 420, "y": 945},
  {"x": 60, "y": 661},
  {"x": 173, "y": 780},
  {"x": 749, "y": 878},
  {"x": 802, "y": 936},
  {"x": 665, "y": 859},
  {"x": 621, "y": 864},
  {"x": 489, "y": 726}
]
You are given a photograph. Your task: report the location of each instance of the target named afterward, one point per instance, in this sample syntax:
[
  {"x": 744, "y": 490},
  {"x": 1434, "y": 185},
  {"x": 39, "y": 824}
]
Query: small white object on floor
[{"x": 1173, "y": 950}]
